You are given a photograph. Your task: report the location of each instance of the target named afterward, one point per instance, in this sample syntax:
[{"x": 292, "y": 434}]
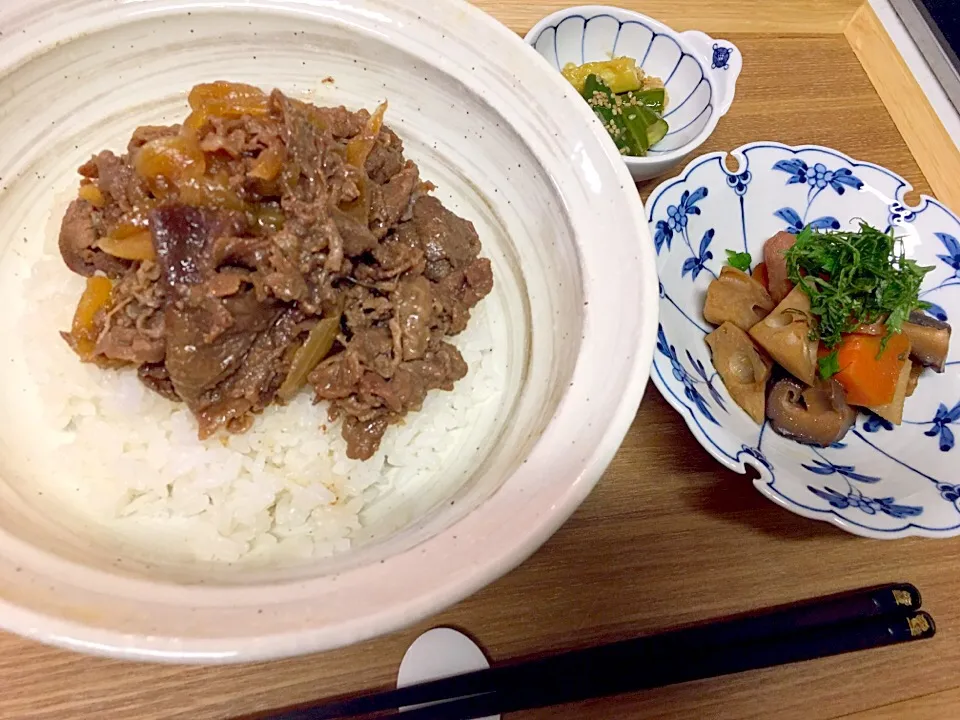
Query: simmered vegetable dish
[
  {"x": 827, "y": 323},
  {"x": 267, "y": 245}
]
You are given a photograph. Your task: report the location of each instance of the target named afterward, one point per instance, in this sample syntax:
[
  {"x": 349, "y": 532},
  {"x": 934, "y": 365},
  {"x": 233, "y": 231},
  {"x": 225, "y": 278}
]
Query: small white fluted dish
[
  {"x": 881, "y": 481},
  {"x": 575, "y": 320},
  {"x": 700, "y": 73}
]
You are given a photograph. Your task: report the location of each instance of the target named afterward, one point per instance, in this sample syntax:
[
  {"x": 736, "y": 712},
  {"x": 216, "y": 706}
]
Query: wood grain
[
  {"x": 925, "y": 135},
  {"x": 782, "y": 17},
  {"x": 938, "y": 706},
  {"x": 668, "y": 536}
]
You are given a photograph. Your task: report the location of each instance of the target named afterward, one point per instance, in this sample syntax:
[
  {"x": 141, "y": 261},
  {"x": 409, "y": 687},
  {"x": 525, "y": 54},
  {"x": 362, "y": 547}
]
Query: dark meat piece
[
  {"x": 182, "y": 238},
  {"x": 156, "y": 377},
  {"x": 399, "y": 253},
  {"x": 339, "y": 121},
  {"x": 471, "y": 284},
  {"x": 414, "y": 303},
  {"x": 394, "y": 199},
  {"x": 127, "y": 345},
  {"x": 303, "y": 138},
  {"x": 78, "y": 238},
  {"x": 357, "y": 239},
  {"x": 133, "y": 331},
  {"x": 237, "y": 137},
  {"x": 449, "y": 242},
  {"x": 255, "y": 383},
  {"x": 117, "y": 178},
  {"x": 386, "y": 158},
  {"x": 247, "y": 252},
  {"x": 460, "y": 291},
  {"x": 207, "y": 338},
  {"x": 208, "y": 341},
  {"x": 374, "y": 348},
  {"x": 364, "y": 437},
  {"x": 365, "y": 308},
  {"x": 337, "y": 377},
  {"x": 441, "y": 368},
  {"x": 376, "y": 402}
]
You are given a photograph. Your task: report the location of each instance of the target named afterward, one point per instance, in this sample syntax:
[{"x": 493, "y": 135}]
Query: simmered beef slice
[
  {"x": 449, "y": 242},
  {"x": 393, "y": 199},
  {"x": 369, "y": 403},
  {"x": 255, "y": 383},
  {"x": 78, "y": 239},
  {"x": 414, "y": 309},
  {"x": 117, "y": 179},
  {"x": 209, "y": 338},
  {"x": 386, "y": 158},
  {"x": 156, "y": 377},
  {"x": 208, "y": 341}
]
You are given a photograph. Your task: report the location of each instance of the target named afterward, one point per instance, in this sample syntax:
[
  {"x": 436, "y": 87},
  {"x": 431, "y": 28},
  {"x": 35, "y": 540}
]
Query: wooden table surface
[{"x": 668, "y": 536}]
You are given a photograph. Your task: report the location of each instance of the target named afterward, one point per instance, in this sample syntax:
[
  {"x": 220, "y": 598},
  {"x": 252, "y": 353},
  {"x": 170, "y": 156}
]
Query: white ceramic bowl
[
  {"x": 700, "y": 73},
  {"x": 881, "y": 481},
  {"x": 575, "y": 318}
]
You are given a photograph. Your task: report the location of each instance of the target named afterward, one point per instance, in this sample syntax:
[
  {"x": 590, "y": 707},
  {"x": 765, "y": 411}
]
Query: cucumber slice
[
  {"x": 657, "y": 131},
  {"x": 654, "y": 99}
]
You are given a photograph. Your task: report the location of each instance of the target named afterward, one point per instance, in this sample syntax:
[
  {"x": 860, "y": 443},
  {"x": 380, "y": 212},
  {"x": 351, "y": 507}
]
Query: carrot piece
[
  {"x": 868, "y": 376},
  {"x": 760, "y": 275}
]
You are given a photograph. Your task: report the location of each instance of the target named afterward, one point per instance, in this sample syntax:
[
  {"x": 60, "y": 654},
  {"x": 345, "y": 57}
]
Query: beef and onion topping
[{"x": 266, "y": 247}]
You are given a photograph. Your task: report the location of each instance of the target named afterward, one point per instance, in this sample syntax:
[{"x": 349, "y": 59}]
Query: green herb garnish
[
  {"x": 739, "y": 260},
  {"x": 854, "y": 279},
  {"x": 829, "y": 365}
]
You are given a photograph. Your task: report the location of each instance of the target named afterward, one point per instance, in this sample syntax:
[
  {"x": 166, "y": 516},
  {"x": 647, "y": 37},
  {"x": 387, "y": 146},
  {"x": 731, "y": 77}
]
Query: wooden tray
[{"x": 668, "y": 536}]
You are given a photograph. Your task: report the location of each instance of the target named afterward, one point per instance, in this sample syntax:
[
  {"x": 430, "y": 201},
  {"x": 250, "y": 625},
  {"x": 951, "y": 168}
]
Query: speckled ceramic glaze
[
  {"x": 881, "y": 481},
  {"x": 497, "y": 131},
  {"x": 699, "y": 73}
]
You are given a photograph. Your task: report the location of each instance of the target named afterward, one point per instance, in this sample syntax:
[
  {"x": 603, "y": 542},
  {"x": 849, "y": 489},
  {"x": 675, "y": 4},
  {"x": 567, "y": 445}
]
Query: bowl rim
[
  {"x": 765, "y": 483},
  {"x": 590, "y": 12},
  {"x": 458, "y": 571}
]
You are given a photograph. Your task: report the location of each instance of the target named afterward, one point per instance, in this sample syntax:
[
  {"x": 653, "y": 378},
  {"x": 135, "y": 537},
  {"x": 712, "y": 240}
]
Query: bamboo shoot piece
[
  {"x": 785, "y": 335},
  {"x": 893, "y": 410},
  {"x": 737, "y": 298},
  {"x": 743, "y": 368}
]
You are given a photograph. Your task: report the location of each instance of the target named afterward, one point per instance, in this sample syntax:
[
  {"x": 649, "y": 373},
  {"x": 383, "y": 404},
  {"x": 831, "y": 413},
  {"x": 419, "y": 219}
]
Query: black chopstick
[
  {"x": 892, "y": 599},
  {"x": 645, "y": 672}
]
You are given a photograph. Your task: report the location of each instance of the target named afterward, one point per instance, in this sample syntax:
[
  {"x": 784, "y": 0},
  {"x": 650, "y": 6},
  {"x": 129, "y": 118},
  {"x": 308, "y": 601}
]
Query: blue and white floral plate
[{"x": 881, "y": 481}]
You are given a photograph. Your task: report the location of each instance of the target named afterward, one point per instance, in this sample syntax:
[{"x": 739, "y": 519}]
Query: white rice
[{"x": 131, "y": 460}]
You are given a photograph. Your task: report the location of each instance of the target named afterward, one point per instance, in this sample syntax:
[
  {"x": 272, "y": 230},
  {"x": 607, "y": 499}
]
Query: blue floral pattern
[
  {"x": 900, "y": 214},
  {"x": 952, "y": 260},
  {"x": 823, "y": 466},
  {"x": 690, "y": 382},
  {"x": 694, "y": 265},
  {"x": 882, "y": 480},
  {"x": 952, "y": 257},
  {"x": 721, "y": 57},
  {"x": 795, "y": 223},
  {"x": 819, "y": 178},
  {"x": 875, "y": 423},
  {"x": 871, "y": 506},
  {"x": 739, "y": 182},
  {"x": 939, "y": 429},
  {"x": 677, "y": 218}
]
